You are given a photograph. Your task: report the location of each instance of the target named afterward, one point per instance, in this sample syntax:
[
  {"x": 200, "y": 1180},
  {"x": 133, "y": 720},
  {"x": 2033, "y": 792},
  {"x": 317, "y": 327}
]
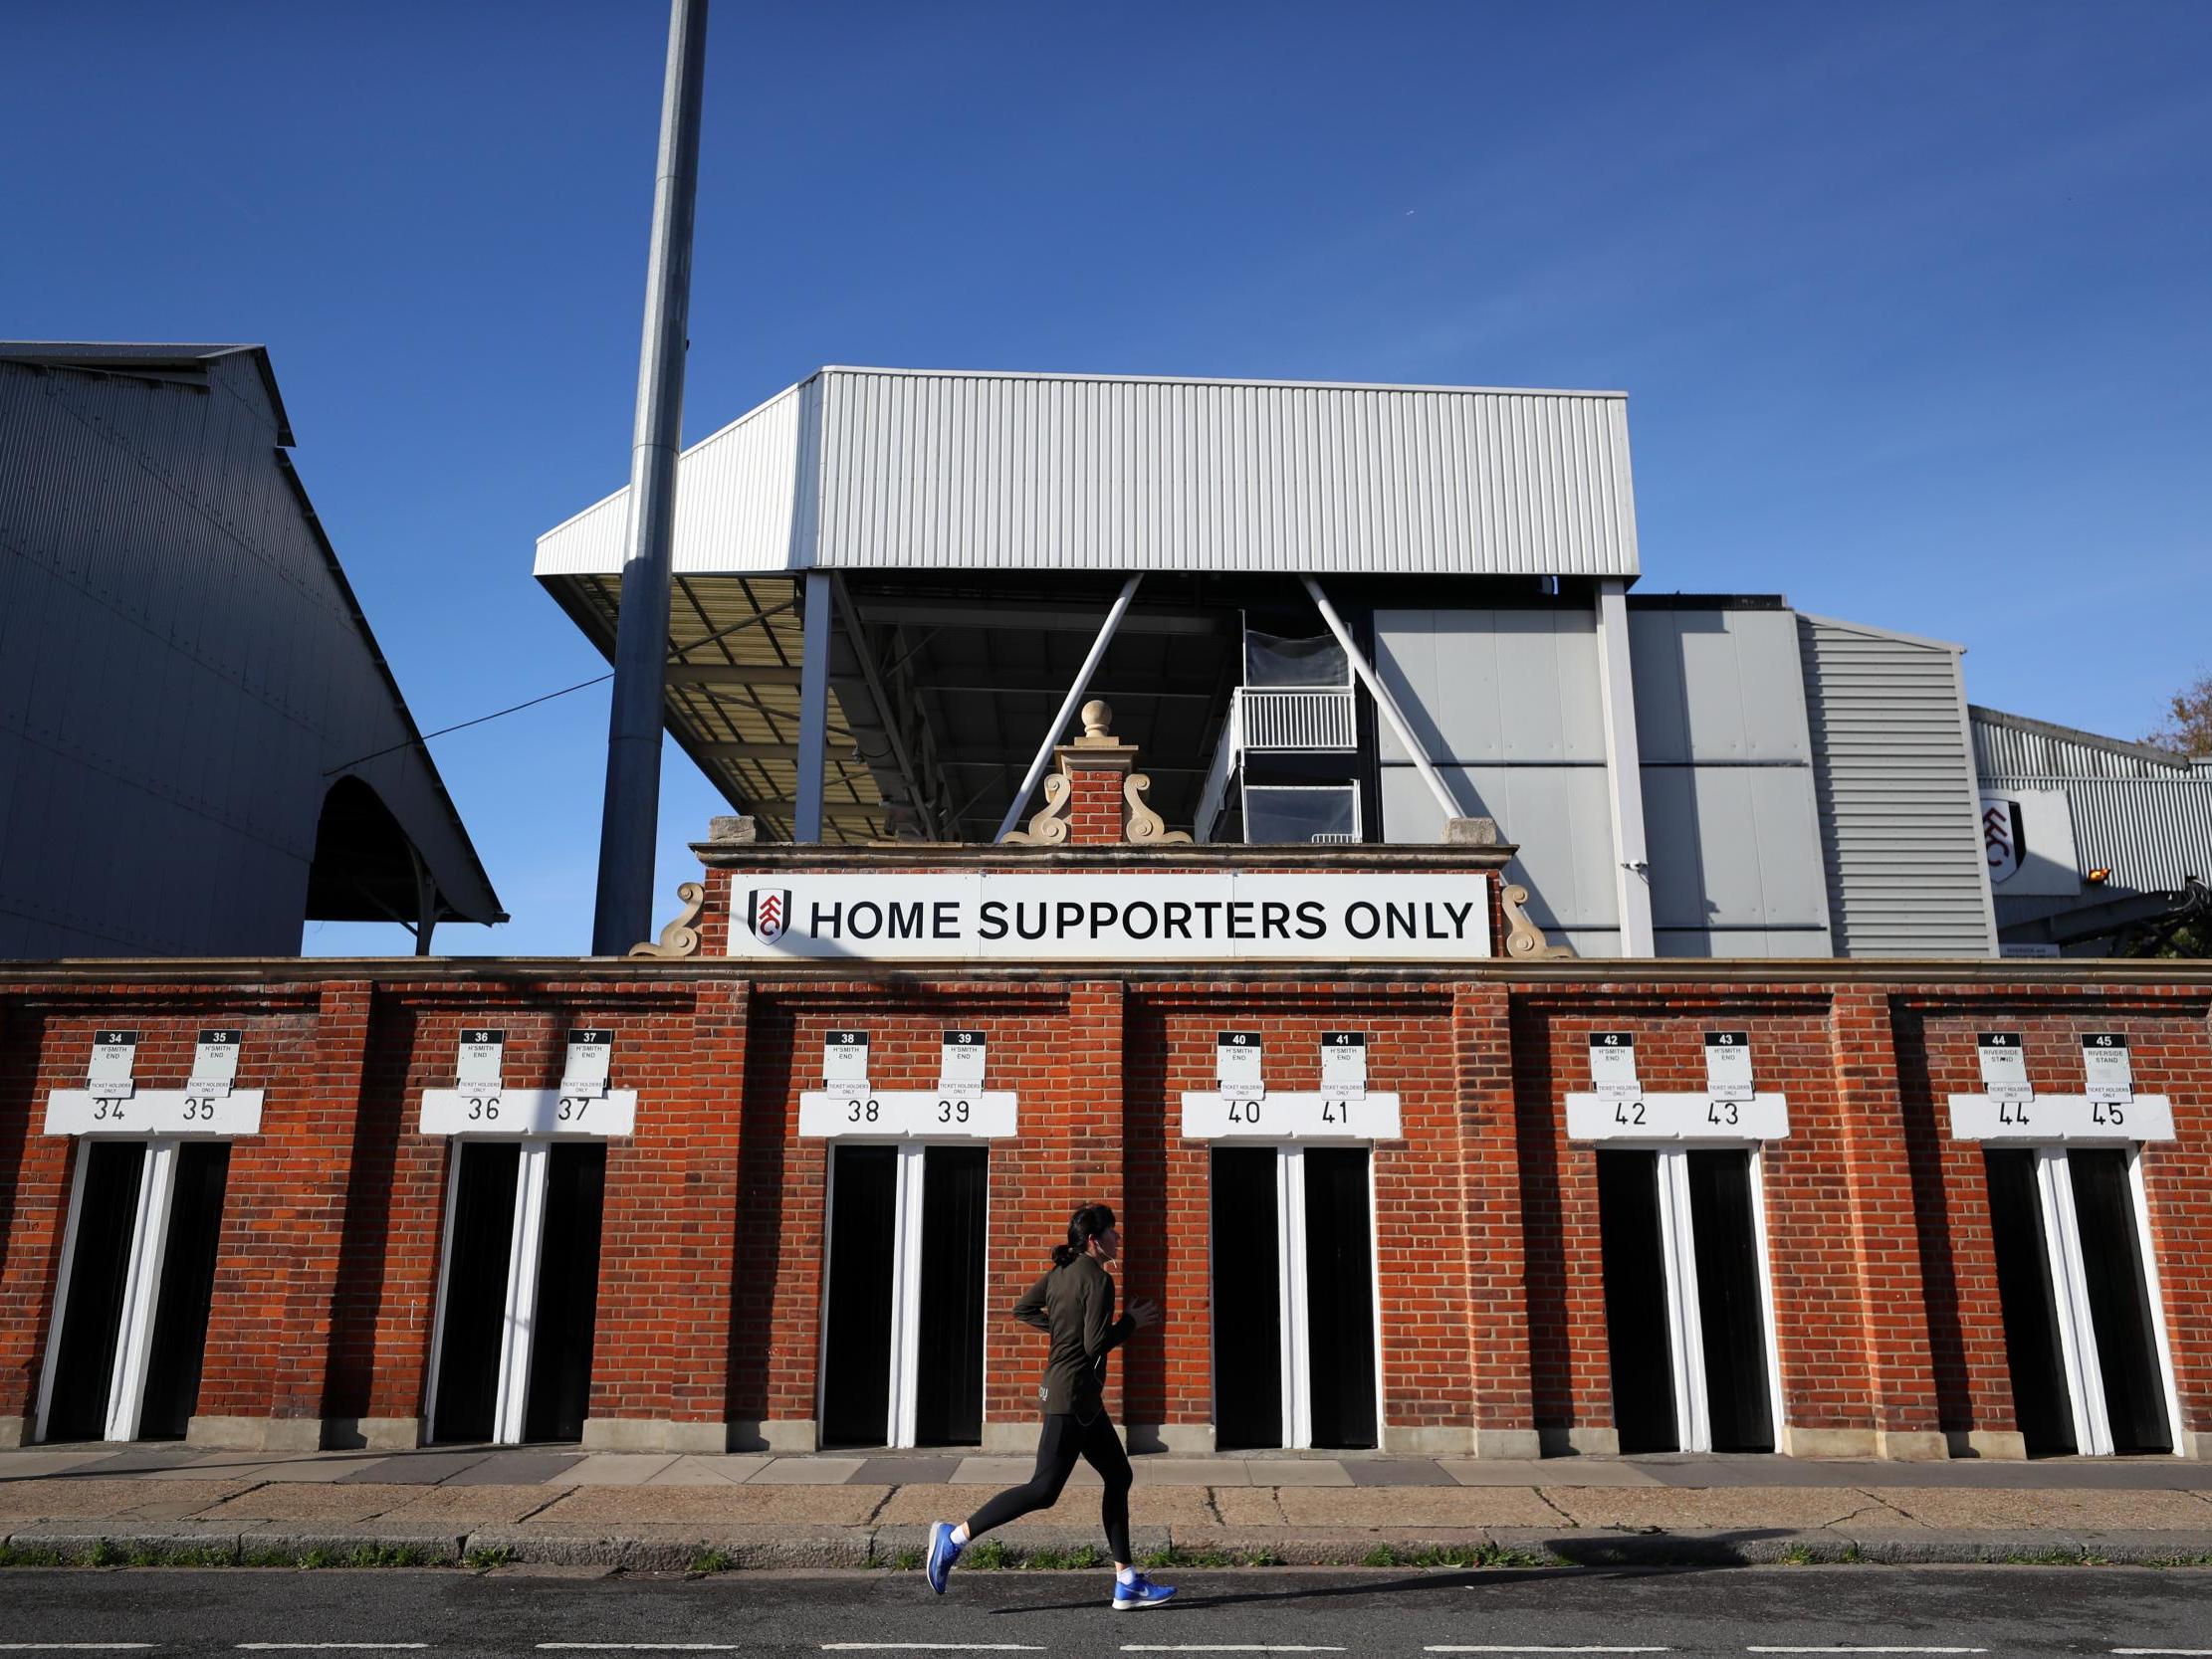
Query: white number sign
[
  {"x": 479, "y": 1063},
  {"x": 907, "y": 1114},
  {"x": 1343, "y": 1062},
  {"x": 584, "y": 1075},
  {"x": 2061, "y": 1117},
  {"x": 2004, "y": 1066},
  {"x": 845, "y": 1060},
  {"x": 108, "y": 1075},
  {"x": 1677, "y": 1118},
  {"x": 961, "y": 1063},
  {"x": 1237, "y": 1056},
  {"x": 214, "y": 1062},
  {"x": 1613, "y": 1063},
  {"x": 1728, "y": 1065},
  {"x": 531, "y": 1113},
  {"x": 2112, "y": 1076},
  {"x": 1293, "y": 1115}
]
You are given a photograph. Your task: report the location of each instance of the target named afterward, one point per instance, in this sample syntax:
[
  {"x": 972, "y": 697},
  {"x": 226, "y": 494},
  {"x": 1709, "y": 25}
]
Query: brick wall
[{"x": 1889, "y": 1332}]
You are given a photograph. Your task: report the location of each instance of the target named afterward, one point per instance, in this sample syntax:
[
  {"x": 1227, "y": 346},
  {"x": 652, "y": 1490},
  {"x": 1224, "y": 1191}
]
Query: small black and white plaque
[
  {"x": 590, "y": 1060},
  {"x": 845, "y": 1060},
  {"x": 1728, "y": 1066},
  {"x": 961, "y": 1065},
  {"x": 108, "y": 1075},
  {"x": 1237, "y": 1063},
  {"x": 480, "y": 1060},
  {"x": 1343, "y": 1062},
  {"x": 214, "y": 1062},
  {"x": 2004, "y": 1066},
  {"x": 1613, "y": 1065},
  {"x": 2110, "y": 1073}
]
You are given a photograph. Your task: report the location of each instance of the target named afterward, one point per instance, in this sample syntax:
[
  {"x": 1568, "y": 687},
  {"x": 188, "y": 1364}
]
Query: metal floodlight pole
[
  {"x": 629, "y": 822},
  {"x": 1070, "y": 704}
]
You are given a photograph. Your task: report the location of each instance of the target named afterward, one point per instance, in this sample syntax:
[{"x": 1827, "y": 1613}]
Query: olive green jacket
[{"x": 1075, "y": 1303}]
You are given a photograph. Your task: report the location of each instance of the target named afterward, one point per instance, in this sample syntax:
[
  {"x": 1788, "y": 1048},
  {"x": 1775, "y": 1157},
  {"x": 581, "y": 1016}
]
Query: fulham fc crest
[{"x": 767, "y": 911}]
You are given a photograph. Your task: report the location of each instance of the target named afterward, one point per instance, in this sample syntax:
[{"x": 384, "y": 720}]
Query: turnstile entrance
[
  {"x": 903, "y": 1326},
  {"x": 519, "y": 1299},
  {"x": 1293, "y": 1298},
  {"x": 137, "y": 1277},
  {"x": 1682, "y": 1247},
  {"x": 2082, "y": 1337}
]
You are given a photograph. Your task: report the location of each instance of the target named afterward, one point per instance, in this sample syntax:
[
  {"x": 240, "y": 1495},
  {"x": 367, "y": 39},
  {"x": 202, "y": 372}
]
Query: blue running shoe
[
  {"x": 1139, "y": 1591},
  {"x": 942, "y": 1553}
]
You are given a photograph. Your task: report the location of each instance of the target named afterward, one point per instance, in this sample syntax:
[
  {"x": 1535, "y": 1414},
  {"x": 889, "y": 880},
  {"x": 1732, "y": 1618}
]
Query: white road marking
[
  {"x": 72, "y": 1647},
  {"x": 1222, "y": 1647},
  {"x": 319, "y": 1647},
  {"x": 1531, "y": 1647},
  {"x": 930, "y": 1647},
  {"x": 2184, "y": 1652},
  {"x": 1865, "y": 1650},
  {"x": 645, "y": 1647}
]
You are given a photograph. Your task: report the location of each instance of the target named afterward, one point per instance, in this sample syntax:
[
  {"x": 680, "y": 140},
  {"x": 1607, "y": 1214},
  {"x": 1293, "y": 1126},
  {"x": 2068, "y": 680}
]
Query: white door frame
[
  {"x": 2061, "y": 1243},
  {"x": 901, "y": 1425},
  {"x": 1293, "y": 1321},
  {"x": 525, "y": 1244},
  {"x": 149, "y": 1244}
]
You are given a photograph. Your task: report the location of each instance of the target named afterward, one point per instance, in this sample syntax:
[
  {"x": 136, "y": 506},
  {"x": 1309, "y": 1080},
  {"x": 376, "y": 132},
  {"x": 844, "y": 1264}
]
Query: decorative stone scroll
[
  {"x": 681, "y": 937},
  {"x": 1523, "y": 938},
  {"x": 1085, "y": 800}
]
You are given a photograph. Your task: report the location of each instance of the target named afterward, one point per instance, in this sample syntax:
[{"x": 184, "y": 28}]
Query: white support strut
[
  {"x": 1383, "y": 700},
  {"x": 1068, "y": 705}
]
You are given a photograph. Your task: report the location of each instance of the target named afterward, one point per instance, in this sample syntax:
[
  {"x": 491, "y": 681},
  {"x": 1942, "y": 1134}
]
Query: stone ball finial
[{"x": 1097, "y": 717}]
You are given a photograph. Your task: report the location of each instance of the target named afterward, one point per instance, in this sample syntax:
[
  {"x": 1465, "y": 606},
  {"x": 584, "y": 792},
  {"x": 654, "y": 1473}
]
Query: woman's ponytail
[{"x": 1086, "y": 1225}]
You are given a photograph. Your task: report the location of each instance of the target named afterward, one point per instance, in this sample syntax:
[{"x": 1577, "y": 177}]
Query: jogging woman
[{"x": 1075, "y": 1303}]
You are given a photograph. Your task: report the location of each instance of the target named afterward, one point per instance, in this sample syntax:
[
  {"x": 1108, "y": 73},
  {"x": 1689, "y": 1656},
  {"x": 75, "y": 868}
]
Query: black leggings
[{"x": 1065, "y": 1438}]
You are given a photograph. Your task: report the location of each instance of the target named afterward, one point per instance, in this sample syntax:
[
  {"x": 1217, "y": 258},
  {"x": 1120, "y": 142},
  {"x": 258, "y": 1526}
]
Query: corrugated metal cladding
[
  {"x": 2008, "y": 745},
  {"x": 2153, "y": 834},
  {"x": 1898, "y": 798},
  {"x": 181, "y": 665},
  {"x": 957, "y": 470}
]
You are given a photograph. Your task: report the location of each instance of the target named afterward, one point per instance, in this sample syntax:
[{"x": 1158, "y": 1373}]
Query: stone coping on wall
[{"x": 891, "y": 857}]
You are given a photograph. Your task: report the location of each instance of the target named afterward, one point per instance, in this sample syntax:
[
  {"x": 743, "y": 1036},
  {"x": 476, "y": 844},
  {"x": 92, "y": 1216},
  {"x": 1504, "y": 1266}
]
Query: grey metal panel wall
[
  {"x": 2006, "y": 749},
  {"x": 1898, "y": 800},
  {"x": 178, "y": 668},
  {"x": 961, "y": 471},
  {"x": 1558, "y": 815},
  {"x": 1730, "y": 822}
]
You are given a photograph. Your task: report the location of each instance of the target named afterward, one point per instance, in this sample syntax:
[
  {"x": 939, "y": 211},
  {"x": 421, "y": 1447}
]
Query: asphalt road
[{"x": 1062, "y": 1615}]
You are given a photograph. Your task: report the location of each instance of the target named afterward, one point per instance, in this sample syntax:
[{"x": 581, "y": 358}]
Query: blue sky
[{"x": 1912, "y": 300}]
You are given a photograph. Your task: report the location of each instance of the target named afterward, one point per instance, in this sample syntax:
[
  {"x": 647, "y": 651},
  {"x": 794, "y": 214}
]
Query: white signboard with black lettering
[
  {"x": 845, "y": 1060},
  {"x": 110, "y": 1102},
  {"x": 2061, "y": 1118},
  {"x": 481, "y": 1105},
  {"x": 961, "y": 1060},
  {"x": 2004, "y": 1066},
  {"x": 907, "y": 1114},
  {"x": 1613, "y": 1063},
  {"x": 1728, "y": 1066},
  {"x": 1677, "y": 1118},
  {"x": 2105, "y": 1063},
  {"x": 1141, "y": 916},
  {"x": 1343, "y": 1062},
  {"x": 1290, "y": 1114},
  {"x": 1237, "y": 1063}
]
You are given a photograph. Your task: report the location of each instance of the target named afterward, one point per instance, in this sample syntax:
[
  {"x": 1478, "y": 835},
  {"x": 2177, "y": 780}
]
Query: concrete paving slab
[
  {"x": 17, "y": 1466},
  {"x": 471, "y": 1504},
  {"x": 620, "y": 1507},
  {"x": 1699, "y": 1509},
  {"x": 143, "y": 1460},
  {"x": 515, "y": 1469},
  {"x": 1295, "y": 1471},
  {"x": 72, "y": 1498},
  {"x": 1158, "y": 1506},
  {"x": 618, "y": 1468},
  {"x": 325, "y": 1504},
  {"x": 1190, "y": 1470},
  {"x": 1393, "y": 1471},
  {"x": 709, "y": 1470},
  {"x": 1956, "y": 1508},
  {"x": 1247, "y": 1505},
  {"x": 319, "y": 1466},
  {"x": 1415, "y": 1506},
  {"x": 904, "y": 1471},
  {"x": 807, "y": 1471},
  {"x": 419, "y": 1468},
  {"x": 1548, "y": 1471}
]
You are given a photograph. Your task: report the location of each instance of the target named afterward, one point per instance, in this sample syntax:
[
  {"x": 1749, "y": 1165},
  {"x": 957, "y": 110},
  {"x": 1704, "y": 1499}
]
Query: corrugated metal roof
[
  {"x": 2012, "y": 745},
  {"x": 1897, "y": 793},
  {"x": 861, "y": 468},
  {"x": 121, "y": 356},
  {"x": 2151, "y": 833}
]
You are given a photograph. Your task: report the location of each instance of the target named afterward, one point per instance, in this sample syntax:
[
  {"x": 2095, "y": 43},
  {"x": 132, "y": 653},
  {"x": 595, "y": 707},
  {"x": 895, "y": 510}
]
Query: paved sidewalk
[{"x": 666, "y": 1511}]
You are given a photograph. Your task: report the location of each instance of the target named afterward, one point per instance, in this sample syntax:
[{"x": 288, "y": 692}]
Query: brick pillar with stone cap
[{"x": 1096, "y": 797}]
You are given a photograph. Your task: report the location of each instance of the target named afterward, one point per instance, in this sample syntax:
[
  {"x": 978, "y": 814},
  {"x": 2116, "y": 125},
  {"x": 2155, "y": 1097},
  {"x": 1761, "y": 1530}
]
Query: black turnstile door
[
  {"x": 476, "y": 1290},
  {"x": 949, "y": 1391},
  {"x": 2039, "y": 1404},
  {"x": 567, "y": 1292},
  {"x": 856, "y": 1358},
  {"x": 1247, "y": 1307},
  {"x": 1340, "y": 1297},
  {"x": 1633, "y": 1259},
  {"x": 100, "y": 1266},
  {"x": 2119, "y": 1302},
  {"x": 187, "y": 1286},
  {"x": 1731, "y": 1315}
]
